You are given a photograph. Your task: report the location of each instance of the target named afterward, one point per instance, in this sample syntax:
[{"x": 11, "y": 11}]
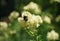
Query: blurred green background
[{"x": 21, "y": 34}]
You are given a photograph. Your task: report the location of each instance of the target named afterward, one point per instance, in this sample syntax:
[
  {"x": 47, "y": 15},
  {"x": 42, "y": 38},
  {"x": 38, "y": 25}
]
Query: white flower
[
  {"x": 29, "y": 19},
  {"x": 37, "y": 25},
  {"x": 13, "y": 15},
  {"x": 32, "y": 6},
  {"x": 25, "y": 18},
  {"x": 52, "y": 35},
  {"x": 39, "y": 19},
  {"x": 47, "y": 19},
  {"x": 57, "y": 18},
  {"x": 3, "y": 25},
  {"x": 35, "y": 20},
  {"x": 55, "y": 1}
]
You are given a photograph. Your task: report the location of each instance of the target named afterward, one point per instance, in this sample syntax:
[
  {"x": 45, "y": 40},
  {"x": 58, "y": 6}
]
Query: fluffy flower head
[
  {"x": 29, "y": 19},
  {"x": 32, "y": 6},
  {"x": 47, "y": 19},
  {"x": 13, "y": 15},
  {"x": 52, "y": 35},
  {"x": 3, "y": 25}
]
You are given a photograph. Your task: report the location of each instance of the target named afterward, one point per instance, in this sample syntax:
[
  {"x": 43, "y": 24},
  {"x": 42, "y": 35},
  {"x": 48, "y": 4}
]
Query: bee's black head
[{"x": 25, "y": 18}]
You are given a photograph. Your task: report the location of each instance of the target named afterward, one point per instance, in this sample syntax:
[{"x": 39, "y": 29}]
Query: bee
[{"x": 25, "y": 18}]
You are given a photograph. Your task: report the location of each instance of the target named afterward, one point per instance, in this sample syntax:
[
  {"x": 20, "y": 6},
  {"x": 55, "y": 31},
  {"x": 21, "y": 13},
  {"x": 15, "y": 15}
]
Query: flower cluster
[
  {"x": 55, "y": 1},
  {"x": 31, "y": 24},
  {"x": 3, "y": 25},
  {"x": 29, "y": 20},
  {"x": 47, "y": 19},
  {"x": 13, "y": 15},
  {"x": 58, "y": 18},
  {"x": 32, "y": 6},
  {"x": 52, "y": 35}
]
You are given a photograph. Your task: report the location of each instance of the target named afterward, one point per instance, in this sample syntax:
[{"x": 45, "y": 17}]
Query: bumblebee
[{"x": 25, "y": 18}]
